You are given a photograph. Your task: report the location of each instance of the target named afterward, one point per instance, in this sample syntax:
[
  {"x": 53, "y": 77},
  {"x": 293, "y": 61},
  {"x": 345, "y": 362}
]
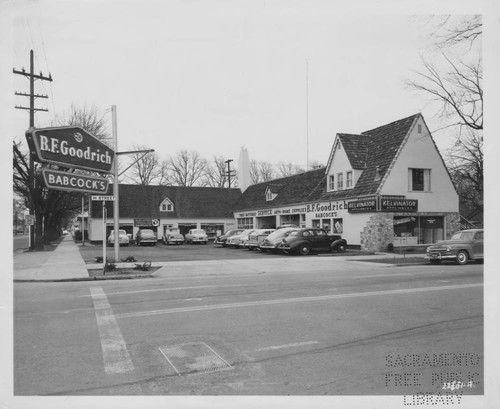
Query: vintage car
[
  {"x": 173, "y": 237},
  {"x": 223, "y": 239},
  {"x": 307, "y": 240},
  {"x": 123, "y": 239},
  {"x": 256, "y": 238},
  {"x": 271, "y": 242},
  {"x": 145, "y": 236},
  {"x": 463, "y": 246},
  {"x": 239, "y": 240},
  {"x": 196, "y": 236}
]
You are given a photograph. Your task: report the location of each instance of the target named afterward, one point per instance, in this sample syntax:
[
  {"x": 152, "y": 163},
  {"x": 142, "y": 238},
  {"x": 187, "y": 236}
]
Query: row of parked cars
[
  {"x": 148, "y": 236},
  {"x": 286, "y": 239}
]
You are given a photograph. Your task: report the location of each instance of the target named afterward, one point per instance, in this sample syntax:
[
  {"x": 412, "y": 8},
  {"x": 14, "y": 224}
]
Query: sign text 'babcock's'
[
  {"x": 58, "y": 180},
  {"x": 70, "y": 147}
]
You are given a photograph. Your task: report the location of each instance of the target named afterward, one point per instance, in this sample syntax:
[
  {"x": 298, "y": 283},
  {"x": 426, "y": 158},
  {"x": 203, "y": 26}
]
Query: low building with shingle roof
[
  {"x": 387, "y": 185},
  {"x": 162, "y": 208}
]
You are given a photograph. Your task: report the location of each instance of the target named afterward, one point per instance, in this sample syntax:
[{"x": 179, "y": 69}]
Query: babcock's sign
[
  {"x": 70, "y": 147},
  {"x": 55, "y": 179}
]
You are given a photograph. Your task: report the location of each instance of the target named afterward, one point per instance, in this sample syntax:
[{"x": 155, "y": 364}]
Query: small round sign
[{"x": 155, "y": 222}]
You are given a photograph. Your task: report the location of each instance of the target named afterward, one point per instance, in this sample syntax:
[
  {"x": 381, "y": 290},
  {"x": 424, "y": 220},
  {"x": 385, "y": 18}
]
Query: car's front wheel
[{"x": 462, "y": 257}]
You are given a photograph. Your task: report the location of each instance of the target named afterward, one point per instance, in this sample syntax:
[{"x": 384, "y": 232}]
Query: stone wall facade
[{"x": 378, "y": 232}]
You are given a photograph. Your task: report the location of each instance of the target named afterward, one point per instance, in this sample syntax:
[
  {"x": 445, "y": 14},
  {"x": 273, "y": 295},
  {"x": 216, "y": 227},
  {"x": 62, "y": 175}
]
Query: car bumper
[
  {"x": 439, "y": 256},
  {"x": 200, "y": 239}
]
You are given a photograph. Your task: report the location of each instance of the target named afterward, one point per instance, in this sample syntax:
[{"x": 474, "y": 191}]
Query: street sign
[
  {"x": 30, "y": 219},
  {"x": 102, "y": 198},
  {"x": 70, "y": 147},
  {"x": 58, "y": 180}
]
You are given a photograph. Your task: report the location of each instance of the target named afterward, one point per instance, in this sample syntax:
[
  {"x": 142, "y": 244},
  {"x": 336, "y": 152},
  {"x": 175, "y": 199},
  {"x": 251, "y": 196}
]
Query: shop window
[
  {"x": 348, "y": 180},
  {"x": 419, "y": 180},
  {"x": 331, "y": 182},
  {"x": 316, "y": 223},
  {"x": 340, "y": 181},
  {"x": 338, "y": 226},
  {"x": 245, "y": 223}
]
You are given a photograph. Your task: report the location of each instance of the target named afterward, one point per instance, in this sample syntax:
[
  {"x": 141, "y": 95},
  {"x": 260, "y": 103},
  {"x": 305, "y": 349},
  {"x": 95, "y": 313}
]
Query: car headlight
[{"x": 428, "y": 249}]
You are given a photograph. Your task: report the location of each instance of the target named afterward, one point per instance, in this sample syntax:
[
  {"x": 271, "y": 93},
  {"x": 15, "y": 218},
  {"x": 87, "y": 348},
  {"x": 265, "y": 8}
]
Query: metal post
[
  {"x": 83, "y": 222},
  {"x": 104, "y": 237},
  {"x": 116, "y": 216}
]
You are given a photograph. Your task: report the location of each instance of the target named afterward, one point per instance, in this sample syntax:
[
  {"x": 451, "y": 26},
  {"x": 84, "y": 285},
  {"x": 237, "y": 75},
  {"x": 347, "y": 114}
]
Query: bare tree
[
  {"x": 459, "y": 29},
  {"x": 146, "y": 168},
  {"x": 459, "y": 91},
  {"x": 186, "y": 168},
  {"x": 91, "y": 119},
  {"x": 215, "y": 173},
  {"x": 261, "y": 171},
  {"x": 288, "y": 169},
  {"x": 465, "y": 162}
]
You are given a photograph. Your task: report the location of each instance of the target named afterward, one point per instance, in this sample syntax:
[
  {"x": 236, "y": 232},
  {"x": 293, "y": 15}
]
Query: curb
[{"x": 100, "y": 278}]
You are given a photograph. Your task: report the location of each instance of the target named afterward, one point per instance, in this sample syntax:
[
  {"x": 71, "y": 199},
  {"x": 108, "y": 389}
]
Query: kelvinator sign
[
  {"x": 55, "y": 179},
  {"x": 70, "y": 147}
]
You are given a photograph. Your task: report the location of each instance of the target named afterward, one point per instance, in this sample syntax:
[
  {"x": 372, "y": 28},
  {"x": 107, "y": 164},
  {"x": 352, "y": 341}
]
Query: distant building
[
  {"x": 167, "y": 207},
  {"x": 386, "y": 185}
]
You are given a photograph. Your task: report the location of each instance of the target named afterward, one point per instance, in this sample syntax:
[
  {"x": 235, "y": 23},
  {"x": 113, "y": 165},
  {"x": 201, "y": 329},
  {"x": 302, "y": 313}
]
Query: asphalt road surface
[{"x": 350, "y": 328}]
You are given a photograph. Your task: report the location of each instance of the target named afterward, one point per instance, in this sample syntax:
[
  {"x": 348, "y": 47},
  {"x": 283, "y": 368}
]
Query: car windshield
[
  {"x": 147, "y": 232},
  {"x": 198, "y": 232},
  {"x": 463, "y": 235}
]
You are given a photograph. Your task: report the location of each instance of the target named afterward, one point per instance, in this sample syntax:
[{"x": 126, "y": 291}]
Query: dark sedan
[{"x": 305, "y": 241}]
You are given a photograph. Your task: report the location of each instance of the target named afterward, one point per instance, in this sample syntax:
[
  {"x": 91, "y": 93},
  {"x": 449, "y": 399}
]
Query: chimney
[{"x": 243, "y": 170}]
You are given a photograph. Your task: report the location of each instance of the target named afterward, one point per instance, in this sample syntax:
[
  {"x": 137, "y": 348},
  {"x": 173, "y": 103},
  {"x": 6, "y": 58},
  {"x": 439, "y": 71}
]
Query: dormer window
[
  {"x": 270, "y": 195},
  {"x": 166, "y": 206}
]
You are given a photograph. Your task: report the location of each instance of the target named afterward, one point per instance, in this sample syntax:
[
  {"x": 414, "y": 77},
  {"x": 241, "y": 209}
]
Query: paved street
[{"x": 341, "y": 328}]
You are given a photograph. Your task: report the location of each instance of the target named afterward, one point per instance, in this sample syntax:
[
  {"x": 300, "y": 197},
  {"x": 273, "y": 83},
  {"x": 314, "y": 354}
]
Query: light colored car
[
  {"x": 223, "y": 239},
  {"x": 463, "y": 246},
  {"x": 272, "y": 242},
  {"x": 145, "y": 236},
  {"x": 256, "y": 238},
  {"x": 123, "y": 239},
  {"x": 173, "y": 237},
  {"x": 196, "y": 236},
  {"x": 238, "y": 240}
]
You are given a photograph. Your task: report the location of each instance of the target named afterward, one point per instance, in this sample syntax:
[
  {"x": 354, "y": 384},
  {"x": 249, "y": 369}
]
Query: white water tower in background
[{"x": 243, "y": 169}]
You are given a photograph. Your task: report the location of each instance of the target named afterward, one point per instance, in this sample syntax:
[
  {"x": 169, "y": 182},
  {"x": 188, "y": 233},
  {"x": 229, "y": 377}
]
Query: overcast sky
[{"x": 213, "y": 76}]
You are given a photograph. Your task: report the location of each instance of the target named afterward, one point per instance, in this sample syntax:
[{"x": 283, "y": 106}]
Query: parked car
[
  {"x": 123, "y": 239},
  {"x": 223, "y": 238},
  {"x": 256, "y": 238},
  {"x": 173, "y": 237},
  {"x": 239, "y": 240},
  {"x": 196, "y": 236},
  {"x": 145, "y": 236},
  {"x": 285, "y": 226},
  {"x": 271, "y": 242},
  {"x": 305, "y": 241},
  {"x": 463, "y": 246}
]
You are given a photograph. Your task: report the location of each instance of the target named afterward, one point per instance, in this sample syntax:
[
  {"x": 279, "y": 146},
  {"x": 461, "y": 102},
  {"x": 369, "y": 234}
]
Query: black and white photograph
[{"x": 249, "y": 203}]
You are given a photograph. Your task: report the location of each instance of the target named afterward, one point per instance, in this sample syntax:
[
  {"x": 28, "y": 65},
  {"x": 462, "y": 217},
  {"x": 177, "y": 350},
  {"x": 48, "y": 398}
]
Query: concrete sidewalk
[{"x": 64, "y": 263}]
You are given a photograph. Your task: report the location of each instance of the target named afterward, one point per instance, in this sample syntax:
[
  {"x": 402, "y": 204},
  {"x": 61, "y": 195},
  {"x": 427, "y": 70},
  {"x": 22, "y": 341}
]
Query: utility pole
[
  {"x": 229, "y": 172},
  {"x": 31, "y": 171}
]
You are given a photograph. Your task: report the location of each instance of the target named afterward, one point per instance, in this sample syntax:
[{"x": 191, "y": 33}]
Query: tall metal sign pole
[{"x": 116, "y": 216}]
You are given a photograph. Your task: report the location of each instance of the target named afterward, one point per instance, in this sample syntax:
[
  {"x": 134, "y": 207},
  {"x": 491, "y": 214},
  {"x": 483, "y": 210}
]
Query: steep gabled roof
[
  {"x": 293, "y": 189},
  {"x": 381, "y": 146},
  {"x": 356, "y": 149},
  {"x": 138, "y": 201}
]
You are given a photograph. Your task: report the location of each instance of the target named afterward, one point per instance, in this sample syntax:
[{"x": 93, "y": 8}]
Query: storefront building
[
  {"x": 385, "y": 186},
  {"x": 163, "y": 208}
]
